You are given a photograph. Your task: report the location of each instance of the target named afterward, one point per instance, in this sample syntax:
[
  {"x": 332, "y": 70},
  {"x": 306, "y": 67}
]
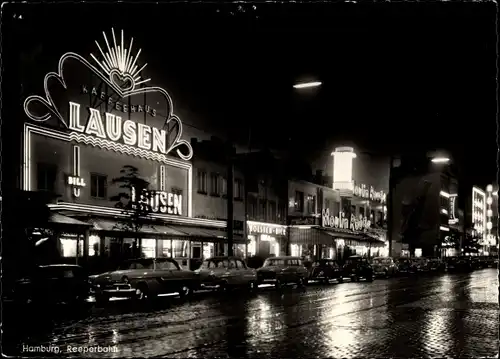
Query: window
[
  {"x": 166, "y": 248},
  {"x": 353, "y": 210},
  {"x": 327, "y": 204},
  {"x": 281, "y": 212},
  {"x": 176, "y": 190},
  {"x": 299, "y": 201},
  {"x": 252, "y": 207},
  {"x": 272, "y": 211},
  {"x": 98, "y": 184},
  {"x": 224, "y": 186},
  {"x": 94, "y": 242},
  {"x": 214, "y": 184},
  {"x": 46, "y": 177},
  {"x": 180, "y": 248},
  {"x": 311, "y": 204},
  {"x": 202, "y": 181},
  {"x": 238, "y": 189},
  {"x": 149, "y": 248},
  {"x": 293, "y": 262},
  {"x": 240, "y": 264},
  {"x": 263, "y": 210},
  {"x": 166, "y": 265}
]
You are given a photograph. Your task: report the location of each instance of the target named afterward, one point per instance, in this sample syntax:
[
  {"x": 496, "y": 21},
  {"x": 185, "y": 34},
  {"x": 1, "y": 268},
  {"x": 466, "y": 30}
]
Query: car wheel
[
  {"x": 252, "y": 286},
  {"x": 341, "y": 280},
  {"x": 278, "y": 284},
  {"x": 101, "y": 299},
  {"x": 354, "y": 278},
  {"x": 185, "y": 291},
  {"x": 142, "y": 292},
  {"x": 223, "y": 288},
  {"x": 369, "y": 278}
]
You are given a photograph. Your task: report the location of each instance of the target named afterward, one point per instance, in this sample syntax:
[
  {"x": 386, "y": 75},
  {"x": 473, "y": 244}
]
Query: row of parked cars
[{"x": 146, "y": 279}]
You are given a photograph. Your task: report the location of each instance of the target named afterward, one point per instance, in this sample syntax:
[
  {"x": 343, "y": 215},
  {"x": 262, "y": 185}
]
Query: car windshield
[
  {"x": 274, "y": 262},
  {"x": 215, "y": 263},
  {"x": 381, "y": 261}
]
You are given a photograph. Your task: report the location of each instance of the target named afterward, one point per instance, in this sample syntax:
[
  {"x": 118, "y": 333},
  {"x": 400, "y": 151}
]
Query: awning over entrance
[
  {"x": 172, "y": 231},
  {"x": 58, "y": 220},
  {"x": 319, "y": 235}
]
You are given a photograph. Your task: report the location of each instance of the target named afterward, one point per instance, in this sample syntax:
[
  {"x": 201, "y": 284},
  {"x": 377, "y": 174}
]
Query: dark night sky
[{"x": 396, "y": 77}]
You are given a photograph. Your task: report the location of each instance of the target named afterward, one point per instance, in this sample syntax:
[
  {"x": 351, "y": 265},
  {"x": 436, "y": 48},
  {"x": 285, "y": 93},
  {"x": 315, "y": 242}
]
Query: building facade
[
  {"x": 265, "y": 204},
  {"x": 109, "y": 147},
  {"x": 426, "y": 218}
]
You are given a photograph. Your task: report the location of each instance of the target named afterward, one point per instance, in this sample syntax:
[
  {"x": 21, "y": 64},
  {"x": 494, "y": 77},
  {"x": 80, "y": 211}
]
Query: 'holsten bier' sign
[{"x": 343, "y": 222}]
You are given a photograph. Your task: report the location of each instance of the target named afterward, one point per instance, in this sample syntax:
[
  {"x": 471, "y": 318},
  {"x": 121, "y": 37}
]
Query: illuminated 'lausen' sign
[
  {"x": 115, "y": 129},
  {"x": 119, "y": 71}
]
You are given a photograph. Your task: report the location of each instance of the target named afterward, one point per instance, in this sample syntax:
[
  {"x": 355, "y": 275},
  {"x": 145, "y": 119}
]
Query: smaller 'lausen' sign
[{"x": 264, "y": 229}]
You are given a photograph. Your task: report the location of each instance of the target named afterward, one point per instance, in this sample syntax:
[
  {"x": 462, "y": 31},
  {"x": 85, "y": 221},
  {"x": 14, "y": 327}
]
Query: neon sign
[
  {"x": 363, "y": 191},
  {"x": 159, "y": 202},
  {"x": 343, "y": 222},
  {"x": 119, "y": 72}
]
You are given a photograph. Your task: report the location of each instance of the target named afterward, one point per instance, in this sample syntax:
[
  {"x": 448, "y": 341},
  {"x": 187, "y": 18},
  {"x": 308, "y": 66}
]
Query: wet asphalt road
[{"x": 447, "y": 315}]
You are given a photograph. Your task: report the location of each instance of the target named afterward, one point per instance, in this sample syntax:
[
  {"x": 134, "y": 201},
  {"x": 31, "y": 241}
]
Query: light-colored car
[
  {"x": 283, "y": 270},
  {"x": 384, "y": 267},
  {"x": 144, "y": 279},
  {"x": 224, "y": 273}
]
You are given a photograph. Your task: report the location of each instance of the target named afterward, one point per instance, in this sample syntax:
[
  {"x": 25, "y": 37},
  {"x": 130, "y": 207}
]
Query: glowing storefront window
[
  {"x": 239, "y": 250},
  {"x": 418, "y": 252},
  {"x": 68, "y": 247},
  {"x": 331, "y": 253},
  {"x": 167, "y": 248},
  {"x": 180, "y": 248},
  {"x": 251, "y": 246},
  {"x": 296, "y": 250},
  {"x": 94, "y": 242},
  {"x": 149, "y": 248},
  {"x": 208, "y": 250}
]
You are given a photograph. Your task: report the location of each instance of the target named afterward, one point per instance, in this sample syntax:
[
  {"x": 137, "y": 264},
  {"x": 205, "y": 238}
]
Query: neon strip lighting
[
  {"x": 76, "y": 168},
  {"x": 301, "y": 226},
  {"x": 29, "y": 129},
  {"x": 117, "y": 212},
  {"x": 307, "y": 84},
  {"x": 444, "y": 194},
  {"x": 253, "y": 223},
  {"x": 162, "y": 178},
  {"x": 445, "y": 229}
]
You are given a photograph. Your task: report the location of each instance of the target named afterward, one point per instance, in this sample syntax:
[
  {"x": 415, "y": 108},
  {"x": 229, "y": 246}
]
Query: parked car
[
  {"x": 53, "y": 283},
  {"x": 384, "y": 267},
  {"x": 421, "y": 265},
  {"x": 357, "y": 267},
  {"x": 458, "y": 264},
  {"x": 326, "y": 269},
  {"x": 224, "y": 273},
  {"x": 406, "y": 266},
  {"x": 283, "y": 270},
  {"x": 436, "y": 265},
  {"x": 144, "y": 278}
]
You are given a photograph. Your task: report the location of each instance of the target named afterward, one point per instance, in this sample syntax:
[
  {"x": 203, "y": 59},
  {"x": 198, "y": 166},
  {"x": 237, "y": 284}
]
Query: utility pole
[
  {"x": 230, "y": 200},
  {"x": 390, "y": 205}
]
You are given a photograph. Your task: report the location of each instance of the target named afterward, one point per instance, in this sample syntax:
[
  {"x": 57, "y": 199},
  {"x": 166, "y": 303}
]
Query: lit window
[
  {"x": 68, "y": 247},
  {"x": 208, "y": 250},
  {"x": 251, "y": 246},
  {"x": 94, "y": 242},
  {"x": 167, "y": 248},
  {"x": 149, "y": 248},
  {"x": 180, "y": 248}
]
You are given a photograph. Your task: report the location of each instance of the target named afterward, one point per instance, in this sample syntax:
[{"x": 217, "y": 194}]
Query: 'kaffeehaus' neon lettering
[
  {"x": 129, "y": 132},
  {"x": 119, "y": 106}
]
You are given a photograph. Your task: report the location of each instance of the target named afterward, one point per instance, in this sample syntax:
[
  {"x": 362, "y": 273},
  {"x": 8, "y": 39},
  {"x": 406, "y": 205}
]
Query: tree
[{"x": 132, "y": 200}]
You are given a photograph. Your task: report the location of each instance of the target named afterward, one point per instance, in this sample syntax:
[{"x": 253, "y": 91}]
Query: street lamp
[
  {"x": 307, "y": 84},
  {"x": 440, "y": 160}
]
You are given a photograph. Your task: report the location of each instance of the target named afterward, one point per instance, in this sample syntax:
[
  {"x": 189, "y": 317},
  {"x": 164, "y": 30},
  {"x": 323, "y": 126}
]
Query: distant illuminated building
[
  {"x": 342, "y": 169},
  {"x": 479, "y": 212}
]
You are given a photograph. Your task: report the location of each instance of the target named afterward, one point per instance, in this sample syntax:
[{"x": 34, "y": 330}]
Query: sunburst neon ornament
[{"x": 119, "y": 64}]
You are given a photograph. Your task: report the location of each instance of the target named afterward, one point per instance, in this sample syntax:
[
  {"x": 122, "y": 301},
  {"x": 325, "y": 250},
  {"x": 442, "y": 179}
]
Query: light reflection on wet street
[{"x": 452, "y": 315}]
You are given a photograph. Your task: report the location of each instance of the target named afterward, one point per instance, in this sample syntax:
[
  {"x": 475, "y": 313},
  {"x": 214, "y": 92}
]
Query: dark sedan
[
  {"x": 57, "y": 283},
  {"x": 324, "y": 270},
  {"x": 356, "y": 268}
]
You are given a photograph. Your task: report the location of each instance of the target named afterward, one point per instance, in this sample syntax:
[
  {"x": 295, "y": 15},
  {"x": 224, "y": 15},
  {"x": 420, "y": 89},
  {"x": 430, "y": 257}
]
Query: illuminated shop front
[
  {"x": 266, "y": 239},
  {"x": 81, "y": 139}
]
